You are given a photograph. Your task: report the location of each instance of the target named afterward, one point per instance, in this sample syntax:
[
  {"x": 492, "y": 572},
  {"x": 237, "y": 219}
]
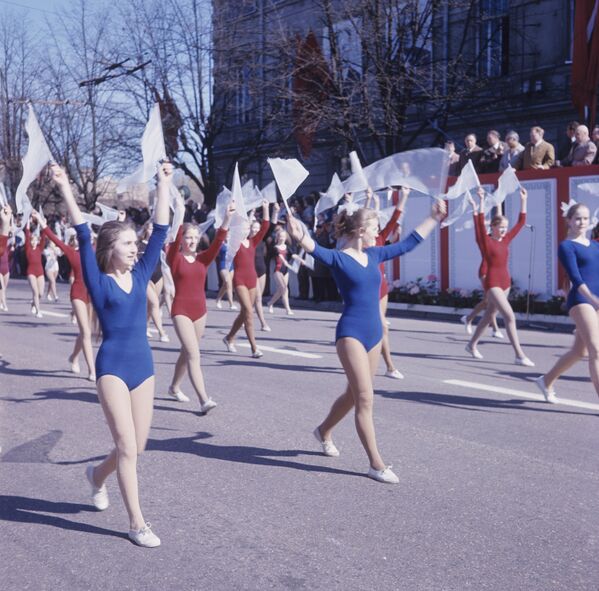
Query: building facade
[{"x": 471, "y": 66}]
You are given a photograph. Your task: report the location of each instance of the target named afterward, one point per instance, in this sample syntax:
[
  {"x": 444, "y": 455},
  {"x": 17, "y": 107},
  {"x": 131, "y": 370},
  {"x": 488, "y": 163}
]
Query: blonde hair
[
  {"x": 497, "y": 219},
  {"x": 107, "y": 236},
  {"x": 350, "y": 224}
]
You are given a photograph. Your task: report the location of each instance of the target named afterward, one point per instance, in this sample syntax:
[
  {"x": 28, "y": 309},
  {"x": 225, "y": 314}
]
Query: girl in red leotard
[
  {"x": 495, "y": 251},
  {"x": 35, "y": 270},
  {"x": 189, "y": 306},
  {"x": 381, "y": 239},
  {"x": 281, "y": 275},
  {"x": 80, "y": 302},
  {"x": 244, "y": 282}
]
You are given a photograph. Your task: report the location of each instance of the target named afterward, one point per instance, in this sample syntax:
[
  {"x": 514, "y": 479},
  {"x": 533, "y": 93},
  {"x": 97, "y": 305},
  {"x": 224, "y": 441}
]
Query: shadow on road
[
  {"x": 471, "y": 402},
  {"x": 64, "y": 394},
  {"x": 26, "y": 510},
  {"x": 243, "y": 454}
]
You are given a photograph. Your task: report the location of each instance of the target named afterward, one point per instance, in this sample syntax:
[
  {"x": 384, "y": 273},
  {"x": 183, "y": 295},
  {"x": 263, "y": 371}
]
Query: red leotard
[
  {"x": 4, "y": 266},
  {"x": 244, "y": 261},
  {"x": 380, "y": 241},
  {"x": 190, "y": 278},
  {"x": 279, "y": 265},
  {"x": 3, "y": 243},
  {"x": 78, "y": 289},
  {"x": 496, "y": 252},
  {"x": 34, "y": 256},
  {"x": 482, "y": 269}
]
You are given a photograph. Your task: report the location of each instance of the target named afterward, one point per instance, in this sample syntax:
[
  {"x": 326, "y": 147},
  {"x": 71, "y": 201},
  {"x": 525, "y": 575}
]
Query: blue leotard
[
  {"x": 222, "y": 257},
  {"x": 359, "y": 287},
  {"x": 125, "y": 352},
  {"x": 582, "y": 265}
]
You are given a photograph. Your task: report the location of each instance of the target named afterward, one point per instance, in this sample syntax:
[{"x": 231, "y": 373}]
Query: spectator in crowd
[
  {"x": 471, "y": 152},
  {"x": 454, "y": 158},
  {"x": 513, "y": 154},
  {"x": 538, "y": 154},
  {"x": 308, "y": 211},
  {"x": 201, "y": 214},
  {"x": 492, "y": 154},
  {"x": 595, "y": 138},
  {"x": 583, "y": 150},
  {"x": 570, "y": 139}
]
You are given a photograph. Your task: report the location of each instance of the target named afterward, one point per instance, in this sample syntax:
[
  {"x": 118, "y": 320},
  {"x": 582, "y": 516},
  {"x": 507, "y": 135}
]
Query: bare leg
[
  {"x": 360, "y": 367},
  {"x": 33, "y": 284},
  {"x": 84, "y": 339},
  {"x": 566, "y": 361},
  {"x": 281, "y": 287},
  {"x": 246, "y": 299},
  {"x": 4, "y": 283},
  {"x": 129, "y": 416},
  {"x": 258, "y": 305},
  {"x": 154, "y": 308},
  {"x": 385, "y": 346},
  {"x": 587, "y": 325},
  {"x": 189, "y": 334},
  {"x": 285, "y": 294}
]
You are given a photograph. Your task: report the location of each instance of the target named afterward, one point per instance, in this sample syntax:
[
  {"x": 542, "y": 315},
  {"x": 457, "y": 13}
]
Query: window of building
[
  {"x": 493, "y": 38},
  {"x": 243, "y": 96},
  {"x": 349, "y": 47}
]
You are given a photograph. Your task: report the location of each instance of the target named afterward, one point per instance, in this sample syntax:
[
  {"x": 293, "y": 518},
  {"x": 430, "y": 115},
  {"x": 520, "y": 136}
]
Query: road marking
[
  {"x": 521, "y": 394},
  {"x": 283, "y": 351},
  {"x": 57, "y": 314}
]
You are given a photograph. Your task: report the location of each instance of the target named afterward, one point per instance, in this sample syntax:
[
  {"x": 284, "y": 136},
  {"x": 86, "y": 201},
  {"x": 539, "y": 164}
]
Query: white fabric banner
[
  {"x": 333, "y": 195},
  {"x": 289, "y": 175}
]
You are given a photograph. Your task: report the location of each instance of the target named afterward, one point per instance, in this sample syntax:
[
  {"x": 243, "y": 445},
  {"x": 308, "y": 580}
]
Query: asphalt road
[{"x": 498, "y": 491}]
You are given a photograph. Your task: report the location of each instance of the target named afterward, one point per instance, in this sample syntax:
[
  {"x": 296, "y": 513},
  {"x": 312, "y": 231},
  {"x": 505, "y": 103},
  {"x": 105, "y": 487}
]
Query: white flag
[
  {"x": 152, "y": 151},
  {"x": 238, "y": 225},
  {"x": 108, "y": 213},
  {"x": 508, "y": 183},
  {"x": 37, "y": 157},
  {"x": 357, "y": 182},
  {"x": 222, "y": 201},
  {"x": 467, "y": 181},
  {"x": 270, "y": 192},
  {"x": 333, "y": 195},
  {"x": 289, "y": 175},
  {"x": 459, "y": 208}
]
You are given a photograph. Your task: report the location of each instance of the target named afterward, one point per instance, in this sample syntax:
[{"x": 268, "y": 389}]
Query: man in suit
[
  {"x": 454, "y": 158},
  {"x": 538, "y": 154},
  {"x": 583, "y": 150},
  {"x": 570, "y": 138},
  {"x": 470, "y": 152},
  {"x": 513, "y": 155},
  {"x": 492, "y": 155},
  {"x": 595, "y": 138}
]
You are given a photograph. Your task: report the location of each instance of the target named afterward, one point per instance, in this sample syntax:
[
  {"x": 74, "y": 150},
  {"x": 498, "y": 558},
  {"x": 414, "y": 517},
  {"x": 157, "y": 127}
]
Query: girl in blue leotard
[
  {"x": 226, "y": 275},
  {"x": 125, "y": 375},
  {"x": 359, "y": 331},
  {"x": 580, "y": 258}
]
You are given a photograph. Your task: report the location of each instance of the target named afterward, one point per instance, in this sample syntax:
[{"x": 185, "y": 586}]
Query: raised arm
[
  {"x": 384, "y": 253},
  {"x": 61, "y": 179},
  {"x": 174, "y": 247},
  {"x": 521, "y": 218},
  {"x": 206, "y": 257},
  {"x": 263, "y": 226},
  {"x": 47, "y": 232},
  {"x": 165, "y": 180}
]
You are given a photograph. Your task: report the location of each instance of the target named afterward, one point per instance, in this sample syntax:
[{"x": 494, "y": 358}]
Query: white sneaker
[
  {"x": 497, "y": 334},
  {"x": 396, "y": 374},
  {"x": 474, "y": 352},
  {"x": 467, "y": 325},
  {"x": 328, "y": 447},
  {"x": 144, "y": 537},
  {"x": 73, "y": 319},
  {"x": 149, "y": 333},
  {"x": 177, "y": 395},
  {"x": 33, "y": 310},
  {"x": 266, "y": 328},
  {"x": 290, "y": 313},
  {"x": 219, "y": 305},
  {"x": 39, "y": 314},
  {"x": 547, "y": 393},
  {"x": 524, "y": 361},
  {"x": 231, "y": 348},
  {"x": 388, "y": 323},
  {"x": 257, "y": 354},
  {"x": 387, "y": 475},
  {"x": 91, "y": 377},
  {"x": 164, "y": 338},
  {"x": 208, "y": 405},
  {"x": 99, "y": 495},
  {"x": 271, "y": 310},
  {"x": 234, "y": 307}
]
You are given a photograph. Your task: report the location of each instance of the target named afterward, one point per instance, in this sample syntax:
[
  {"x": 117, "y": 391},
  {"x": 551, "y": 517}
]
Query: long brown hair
[{"x": 107, "y": 236}]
